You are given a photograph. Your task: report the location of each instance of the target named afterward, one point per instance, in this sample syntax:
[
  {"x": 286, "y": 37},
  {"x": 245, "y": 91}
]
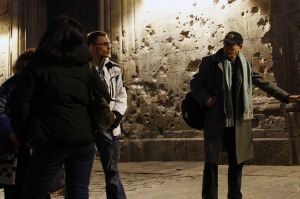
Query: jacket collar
[{"x": 218, "y": 57}]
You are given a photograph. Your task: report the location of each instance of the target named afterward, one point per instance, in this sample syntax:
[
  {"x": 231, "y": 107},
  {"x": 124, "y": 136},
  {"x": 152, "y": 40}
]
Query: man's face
[
  {"x": 101, "y": 48},
  {"x": 231, "y": 50}
]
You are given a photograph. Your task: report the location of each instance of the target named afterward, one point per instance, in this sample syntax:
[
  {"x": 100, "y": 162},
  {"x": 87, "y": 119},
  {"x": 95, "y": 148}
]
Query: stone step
[{"x": 267, "y": 151}]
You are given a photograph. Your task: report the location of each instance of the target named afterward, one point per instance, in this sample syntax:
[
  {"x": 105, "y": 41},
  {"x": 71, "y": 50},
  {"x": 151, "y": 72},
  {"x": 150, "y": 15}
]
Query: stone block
[
  {"x": 180, "y": 149},
  {"x": 272, "y": 122},
  {"x": 183, "y": 134},
  {"x": 270, "y": 133},
  {"x": 294, "y": 132},
  {"x": 160, "y": 150},
  {"x": 272, "y": 151},
  {"x": 125, "y": 151},
  {"x": 195, "y": 149},
  {"x": 137, "y": 150},
  {"x": 276, "y": 133},
  {"x": 296, "y": 149},
  {"x": 293, "y": 119},
  {"x": 258, "y": 133},
  {"x": 267, "y": 151}
]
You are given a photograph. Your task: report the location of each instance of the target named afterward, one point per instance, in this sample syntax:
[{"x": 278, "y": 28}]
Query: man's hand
[
  {"x": 210, "y": 101},
  {"x": 293, "y": 98},
  {"x": 15, "y": 142}
]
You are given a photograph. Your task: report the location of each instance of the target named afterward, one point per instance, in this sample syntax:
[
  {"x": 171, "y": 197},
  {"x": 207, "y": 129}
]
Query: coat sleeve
[
  {"x": 269, "y": 87},
  {"x": 199, "y": 81},
  {"x": 5, "y": 127},
  {"x": 20, "y": 105}
]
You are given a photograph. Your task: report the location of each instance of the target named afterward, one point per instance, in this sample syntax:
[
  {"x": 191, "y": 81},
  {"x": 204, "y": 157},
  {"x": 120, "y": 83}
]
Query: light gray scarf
[{"x": 247, "y": 90}]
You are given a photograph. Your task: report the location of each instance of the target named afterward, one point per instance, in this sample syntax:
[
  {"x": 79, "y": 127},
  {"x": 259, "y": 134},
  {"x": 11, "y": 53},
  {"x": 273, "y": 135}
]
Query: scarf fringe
[
  {"x": 248, "y": 115},
  {"x": 229, "y": 122}
]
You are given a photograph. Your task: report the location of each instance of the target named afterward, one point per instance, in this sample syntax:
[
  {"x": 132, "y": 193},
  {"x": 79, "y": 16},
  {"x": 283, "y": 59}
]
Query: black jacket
[
  {"x": 50, "y": 103},
  {"x": 5, "y": 129}
]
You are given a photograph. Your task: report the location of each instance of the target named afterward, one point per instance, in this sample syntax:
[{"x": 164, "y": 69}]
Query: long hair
[{"x": 57, "y": 44}]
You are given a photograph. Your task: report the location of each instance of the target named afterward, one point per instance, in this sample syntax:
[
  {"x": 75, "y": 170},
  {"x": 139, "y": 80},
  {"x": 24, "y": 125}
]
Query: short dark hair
[{"x": 93, "y": 36}]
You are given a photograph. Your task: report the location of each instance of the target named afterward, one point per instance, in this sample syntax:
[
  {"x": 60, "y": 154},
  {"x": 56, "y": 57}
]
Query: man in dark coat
[{"x": 224, "y": 84}]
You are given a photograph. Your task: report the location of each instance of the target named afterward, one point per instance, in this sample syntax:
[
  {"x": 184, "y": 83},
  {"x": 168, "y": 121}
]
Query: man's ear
[
  {"x": 241, "y": 46},
  {"x": 91, "y": 46}
]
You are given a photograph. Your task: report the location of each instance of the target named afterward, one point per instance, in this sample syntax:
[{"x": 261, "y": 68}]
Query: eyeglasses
[{"x": 108, "y": 44}]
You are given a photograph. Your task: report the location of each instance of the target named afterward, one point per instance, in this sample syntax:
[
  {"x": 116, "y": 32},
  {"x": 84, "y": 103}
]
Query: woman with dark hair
[
  {"x": 49, "y": 109},
  {"x": 11, "y": 175}
]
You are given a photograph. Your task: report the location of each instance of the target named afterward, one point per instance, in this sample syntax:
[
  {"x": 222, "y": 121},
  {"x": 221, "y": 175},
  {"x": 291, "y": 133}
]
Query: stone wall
[
  {"x": 4, "y": 41},
  {"x": 169, "y": 43},
  {"x": 160, "y": 45},
  {"x": 11, "y": 35}
]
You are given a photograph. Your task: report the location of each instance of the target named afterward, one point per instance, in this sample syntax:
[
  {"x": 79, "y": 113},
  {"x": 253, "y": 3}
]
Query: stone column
[
  {"x": 5, "y": 25},
  {"x": 104, "y": 10},
  {"x": 12, "y": 34},
  {"x": 36, "y": 21},
  {"x": 291, "y": 27},
  {"x": 292, "y": 115}
]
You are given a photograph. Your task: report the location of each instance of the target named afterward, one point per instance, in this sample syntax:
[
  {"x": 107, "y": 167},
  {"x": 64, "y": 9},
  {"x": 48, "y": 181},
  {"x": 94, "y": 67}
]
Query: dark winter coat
[
  {"x": 209, "y": 82},
  {"x": 5, "y": 128},
  {"x": 50, "y": 103}
]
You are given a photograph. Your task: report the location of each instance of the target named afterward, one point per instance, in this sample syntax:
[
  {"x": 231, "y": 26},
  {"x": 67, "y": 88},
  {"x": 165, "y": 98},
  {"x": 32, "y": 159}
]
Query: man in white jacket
[{"x": 107, "y": 141}]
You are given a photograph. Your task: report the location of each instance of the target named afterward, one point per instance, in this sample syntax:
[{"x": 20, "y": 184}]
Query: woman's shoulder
[{"x": 9, "y": 84}]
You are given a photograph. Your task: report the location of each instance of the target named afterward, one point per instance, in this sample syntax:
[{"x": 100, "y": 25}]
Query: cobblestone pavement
[{"x": 183, "y": 180}]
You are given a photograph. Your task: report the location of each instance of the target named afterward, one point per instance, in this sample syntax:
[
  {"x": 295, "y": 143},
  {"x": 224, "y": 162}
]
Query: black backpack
[{"x": 192, "y": 112}]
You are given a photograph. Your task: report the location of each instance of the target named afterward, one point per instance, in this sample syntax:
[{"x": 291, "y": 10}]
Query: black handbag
[
  {"x": 192, "y": 112},
  {"x": 101, "y": 115}
]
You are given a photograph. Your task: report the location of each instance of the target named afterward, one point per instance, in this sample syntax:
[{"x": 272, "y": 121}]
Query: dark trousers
[
  {"x": 23, "y": 159},
  {"x": 109, "y": 151},
  {"x": 46, "y": 162},
  {"x": 210, "y": 173}
]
